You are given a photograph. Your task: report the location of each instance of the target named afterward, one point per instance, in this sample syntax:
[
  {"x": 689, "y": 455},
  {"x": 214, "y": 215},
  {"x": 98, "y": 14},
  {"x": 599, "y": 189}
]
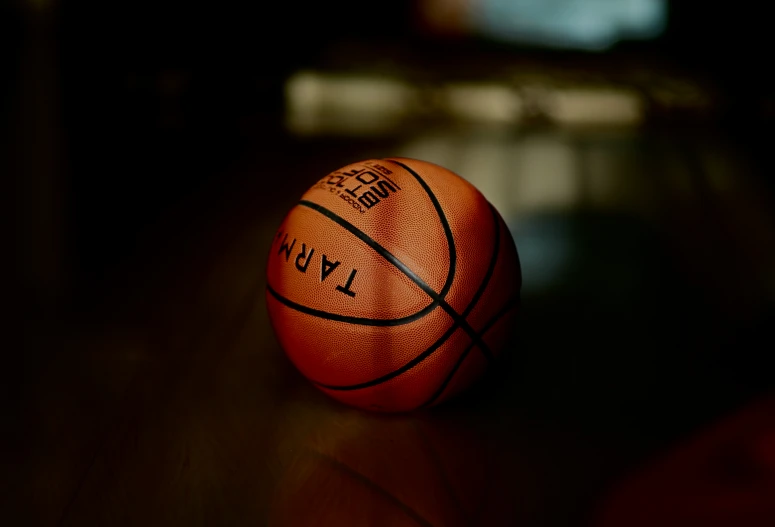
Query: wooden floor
[{"x": 649, "y": 269}]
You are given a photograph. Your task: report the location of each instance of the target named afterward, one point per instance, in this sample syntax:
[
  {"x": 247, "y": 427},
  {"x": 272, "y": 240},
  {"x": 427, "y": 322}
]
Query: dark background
[
  {"x": 139, "y": 141},
  {"x": 113, "y": 75}
]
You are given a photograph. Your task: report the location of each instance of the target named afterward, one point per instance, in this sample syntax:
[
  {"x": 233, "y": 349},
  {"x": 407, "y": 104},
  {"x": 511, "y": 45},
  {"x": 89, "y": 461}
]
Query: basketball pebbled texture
[{"x": 392, "y": 284}]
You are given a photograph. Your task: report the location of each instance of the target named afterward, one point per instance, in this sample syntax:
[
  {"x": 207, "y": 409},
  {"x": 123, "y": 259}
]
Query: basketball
[{"x": 392, "y": 285}]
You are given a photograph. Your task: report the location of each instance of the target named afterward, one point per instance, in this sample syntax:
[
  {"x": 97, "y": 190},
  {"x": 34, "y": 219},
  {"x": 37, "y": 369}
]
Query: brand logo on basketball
[{"x": 363, "y": 187}]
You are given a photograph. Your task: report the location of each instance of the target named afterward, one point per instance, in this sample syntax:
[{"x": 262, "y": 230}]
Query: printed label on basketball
[
  {"x": 362, "y": 186},
  {"x": 329, "y": 270}
]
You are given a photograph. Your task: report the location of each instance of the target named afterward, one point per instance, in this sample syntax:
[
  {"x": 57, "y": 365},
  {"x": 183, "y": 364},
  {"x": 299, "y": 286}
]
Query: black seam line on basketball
[
  {"x": 346, "y": 469},
  {"x": 511, "y": 304},
  {"x": 491, "y": 267},
  {"x": 395, "y": 373},
  {"x": 444, "y": 224},
  {"x": 452, "y": 257},
  {"x": 479, "y": 292},
  {"x": 363, "y": 321},
  {"x": 390, "y": 257},
  {"x": 441, "y": 340}
]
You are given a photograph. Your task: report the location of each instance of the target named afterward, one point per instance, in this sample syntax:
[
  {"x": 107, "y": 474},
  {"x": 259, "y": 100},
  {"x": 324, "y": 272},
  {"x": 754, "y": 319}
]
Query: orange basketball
[{"x": 392, "y": 283}]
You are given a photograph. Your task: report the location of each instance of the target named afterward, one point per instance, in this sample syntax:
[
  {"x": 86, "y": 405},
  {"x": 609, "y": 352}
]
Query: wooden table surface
[{"x": 648, "y": 261}]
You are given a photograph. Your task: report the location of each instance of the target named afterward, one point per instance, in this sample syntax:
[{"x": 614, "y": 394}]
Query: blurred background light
[
  {"x": 319, "y": 103},
  {"x": 546, "y": 175},
  {"x": 596, "y": 106},
  {"x": 482, "y": 102},
  {"x": 546, "y": 250},
  {"x": 327, "y": 103},
  {"x": 591, "y": 25}
]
